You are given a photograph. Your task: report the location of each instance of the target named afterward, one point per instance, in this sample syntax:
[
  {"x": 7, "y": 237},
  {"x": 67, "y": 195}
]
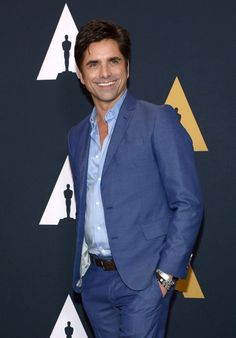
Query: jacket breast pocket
[
  {"x": 155, "y": 228},
  {"x": 133, "y": 153}
]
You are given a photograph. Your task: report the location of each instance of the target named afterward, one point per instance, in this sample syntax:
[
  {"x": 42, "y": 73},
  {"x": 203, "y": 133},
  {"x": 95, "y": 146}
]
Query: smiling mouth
[{"x": 105, "y": 84}]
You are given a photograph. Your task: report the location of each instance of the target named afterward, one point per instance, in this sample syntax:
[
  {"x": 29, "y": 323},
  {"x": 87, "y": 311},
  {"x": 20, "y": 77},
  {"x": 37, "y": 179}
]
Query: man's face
[{"x": 104, "y": 72}]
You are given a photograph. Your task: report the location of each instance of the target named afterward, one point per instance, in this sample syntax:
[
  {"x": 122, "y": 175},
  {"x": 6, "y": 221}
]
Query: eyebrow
[
  {"x": 114, "y": 58},
  {"x": 90, "y": 62}
]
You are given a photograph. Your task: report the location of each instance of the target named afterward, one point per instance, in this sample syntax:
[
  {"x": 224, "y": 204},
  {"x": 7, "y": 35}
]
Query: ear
[
  {"x": 127, "y": 69},
  {"x": 79, "y": 75}
]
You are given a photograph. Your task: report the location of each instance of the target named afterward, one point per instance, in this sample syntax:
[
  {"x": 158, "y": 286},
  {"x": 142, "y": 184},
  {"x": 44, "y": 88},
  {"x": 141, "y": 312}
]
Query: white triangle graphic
[
  {"x": 54, "y": 61},
  {"x": 68, "y": 322},
  {"x": 56, "y": 207}
]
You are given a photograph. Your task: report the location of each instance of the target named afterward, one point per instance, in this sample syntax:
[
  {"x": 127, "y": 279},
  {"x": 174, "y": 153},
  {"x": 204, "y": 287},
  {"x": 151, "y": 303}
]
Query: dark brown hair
[{"x": 98, "y": 30}]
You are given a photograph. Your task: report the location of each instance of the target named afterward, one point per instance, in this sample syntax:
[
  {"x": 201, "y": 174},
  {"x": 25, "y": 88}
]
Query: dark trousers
[{"x": 116, "y": 311}]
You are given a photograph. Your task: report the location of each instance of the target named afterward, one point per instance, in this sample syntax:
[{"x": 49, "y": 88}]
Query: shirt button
[
  {"x": 97, "y": 203},
  {"x": 98, "y": 227},
  {"x": 97, "y": 156},
  {"x": 99, "y": 178}
]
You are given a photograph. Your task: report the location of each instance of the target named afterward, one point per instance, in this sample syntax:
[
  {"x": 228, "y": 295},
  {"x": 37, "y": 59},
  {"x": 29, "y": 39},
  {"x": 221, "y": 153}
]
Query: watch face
[{"x": 167, "y": 282}]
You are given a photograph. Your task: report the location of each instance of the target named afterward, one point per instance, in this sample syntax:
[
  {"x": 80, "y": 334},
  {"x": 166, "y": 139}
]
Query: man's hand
[{"x": 163, "y": 289}]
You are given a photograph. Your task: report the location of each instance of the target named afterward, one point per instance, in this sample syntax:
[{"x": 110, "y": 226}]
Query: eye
[
  {"x": 115, "y": 61},
  {"x": 92, "y": 64}
]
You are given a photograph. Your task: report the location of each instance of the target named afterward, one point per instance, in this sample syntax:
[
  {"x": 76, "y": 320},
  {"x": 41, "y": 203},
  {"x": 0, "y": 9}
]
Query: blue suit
[{"x": 150, "y": 191}]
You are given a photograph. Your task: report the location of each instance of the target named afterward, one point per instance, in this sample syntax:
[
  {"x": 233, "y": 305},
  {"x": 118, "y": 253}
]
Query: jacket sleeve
[
  {"x": 175, "y": 157},
  {"x": 70, "y": 153}
]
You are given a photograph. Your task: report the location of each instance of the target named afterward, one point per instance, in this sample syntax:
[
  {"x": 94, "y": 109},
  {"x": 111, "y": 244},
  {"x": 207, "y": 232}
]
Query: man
[{"x": 137, "y": 193}]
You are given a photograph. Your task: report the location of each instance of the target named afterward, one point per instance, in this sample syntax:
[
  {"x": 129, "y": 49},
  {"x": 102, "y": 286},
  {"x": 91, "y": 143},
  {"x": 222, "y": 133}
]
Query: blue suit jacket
[{"x": 150, "y": 191}]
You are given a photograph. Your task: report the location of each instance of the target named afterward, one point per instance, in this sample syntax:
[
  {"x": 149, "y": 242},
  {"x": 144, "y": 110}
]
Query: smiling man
[
  {"x": 137, "y": 193},
  {"x": 104, "y": 72}
]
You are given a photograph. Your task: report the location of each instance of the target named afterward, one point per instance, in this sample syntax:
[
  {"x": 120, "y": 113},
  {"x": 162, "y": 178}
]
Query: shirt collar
[{"x": 111, "y": 113}]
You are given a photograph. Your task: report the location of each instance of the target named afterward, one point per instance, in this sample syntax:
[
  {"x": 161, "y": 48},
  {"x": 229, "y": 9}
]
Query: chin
[{"x": 108, "y": 98}]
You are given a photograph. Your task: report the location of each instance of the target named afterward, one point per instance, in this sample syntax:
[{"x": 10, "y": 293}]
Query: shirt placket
[{"x": 98, "y": 200}]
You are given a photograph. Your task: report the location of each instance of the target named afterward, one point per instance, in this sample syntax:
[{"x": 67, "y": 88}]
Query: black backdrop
[{"x": 190, "y": 39}]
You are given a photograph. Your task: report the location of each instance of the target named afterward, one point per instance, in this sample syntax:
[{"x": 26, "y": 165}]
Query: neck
[{"x": 102, "y": 107}]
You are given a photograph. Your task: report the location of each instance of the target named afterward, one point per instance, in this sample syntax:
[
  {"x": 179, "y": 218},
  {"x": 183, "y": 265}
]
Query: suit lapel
[
  {"x": 82, "y": 155},
  {"x": 124, "y": 117}
]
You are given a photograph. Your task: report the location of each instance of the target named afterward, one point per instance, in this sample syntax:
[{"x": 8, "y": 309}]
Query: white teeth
[{"x": 104, "y": 84}]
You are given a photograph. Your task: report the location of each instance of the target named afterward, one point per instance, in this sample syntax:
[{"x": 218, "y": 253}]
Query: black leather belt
[{"x": 105, "y": 264}]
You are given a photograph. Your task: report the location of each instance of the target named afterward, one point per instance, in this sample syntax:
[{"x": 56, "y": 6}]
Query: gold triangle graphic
[
  {"x": 190, "y": 286},
  {"x": 177, "y": 99}
]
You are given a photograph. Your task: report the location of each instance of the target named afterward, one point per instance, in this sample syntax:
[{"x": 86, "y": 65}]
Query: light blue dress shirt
[{"x": 95, "y": 227}]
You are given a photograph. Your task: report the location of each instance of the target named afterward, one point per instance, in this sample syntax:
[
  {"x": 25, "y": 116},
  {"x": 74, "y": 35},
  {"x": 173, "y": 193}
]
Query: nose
[{"x": 105, "y": 71}]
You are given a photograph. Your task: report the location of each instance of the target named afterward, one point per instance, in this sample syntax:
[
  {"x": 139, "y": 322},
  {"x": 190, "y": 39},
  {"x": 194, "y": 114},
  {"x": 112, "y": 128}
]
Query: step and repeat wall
[{"x": 182, "y": 54}]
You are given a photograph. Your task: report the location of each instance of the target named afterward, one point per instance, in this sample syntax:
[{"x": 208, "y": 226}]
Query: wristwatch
[{"x": 166, "y": 280}]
